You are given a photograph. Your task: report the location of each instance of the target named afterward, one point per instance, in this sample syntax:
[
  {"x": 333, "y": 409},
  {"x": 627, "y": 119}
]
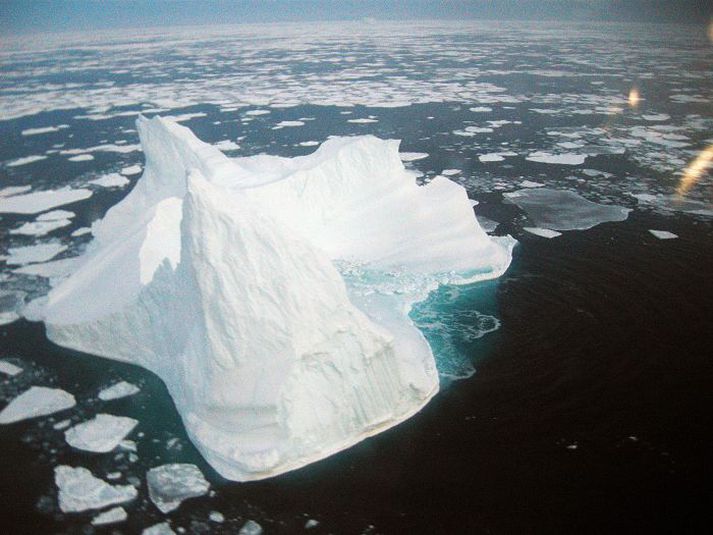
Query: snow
[
  {"x": 101, "y": 434},
  {"x": 159, "y": 529},
  {"x": 250, "y": 528},
  {"x": 559, "y": 159},
  {"x": 130, "y": 170},
  {"x": 36, "y": 401},
  {"x": 663, "y": 234},
  {"x": 412, "y": 156},
  {"x": 34, "y": 253},
  {"x": 112, "y": 516},
  {"x": 112, "y": 180},
  {"x": 55, "y": 215},
  {"x": 8, "y": 368},
  {"x": 542, "y": 232},
  {"x": 171, "y": 484},
  {"x": 80, "y": 491},
  {"x": 564, "y": 210},
  {"x": 26, "y": 160},
  {"x": 39, "y": 201},
  {"x": 272, "y": 295},
  {"x": 119, "y": 390}
]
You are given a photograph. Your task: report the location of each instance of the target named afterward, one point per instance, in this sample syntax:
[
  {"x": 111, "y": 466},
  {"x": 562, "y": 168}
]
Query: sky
[{"x": 42, "y": 16}]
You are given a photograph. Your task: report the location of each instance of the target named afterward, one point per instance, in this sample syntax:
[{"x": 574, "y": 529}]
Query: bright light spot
[
  {"x": 695, "y": 170},
  {"x": 710, "y": 31},
  {"x": 634, "y": 97}
]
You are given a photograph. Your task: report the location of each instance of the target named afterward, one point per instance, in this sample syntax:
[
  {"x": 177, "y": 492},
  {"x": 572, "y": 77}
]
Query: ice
[
  {"x": 35, "y": 402},
  {"x": 101, "y": 434},
  {"x": 39, "y": 201},
  {"x": 8, "y": 368},
  {"x": 412, "y": 156},
  {"x": 55, "y": 215},
  {"x": 118, "y": 390},
  {"x": 450, "y": 172},
  {"x": 159, "y": 529},
  {"x": 542, "y": 232},
  {"x": 492, "y": 157},
  {"x": 362, "y": 121},
  {"x": 42, "y": 252},
  {"x": 81, "y": 232},
  {"x": 283, "y": 124},
  {"x": 11, "y": 303},
  {"x": 81, "y": 158},
  {"x": 656, "y": 117},
  {"x": 308, "y": 143},
  {"x": 530, "y": 184},
  {"x": 663, "y": 234},
  {"x": 227, "y": 144},
  {"x": 26, "y": 160},
  {"x": 250, "y": 528},
  {"x": 131, "y": 170},
  {"x": 40, "y": 228},
  {"x": 55, "y": 270},
  {"x": 564, "y": 210},
  {"x": 14, "y": 190},
  {"x": 80, "y": 491},
  {"x": 216, "y": 516},
  {"x": 112, "y": 180},
  {"x": 675, "y": 203},
  {"x": 171, "y": 484},
  {"x": 481, "y": 109},
  {"x": 112, "y": 516},
  {"x": 272, "y": 294},
  {"x": 559, "y": 159},
  {"x": 312, "y": 523}
]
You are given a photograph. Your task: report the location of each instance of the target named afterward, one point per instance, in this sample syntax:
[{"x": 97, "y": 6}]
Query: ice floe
[
  {"x": 80, "y": 491},
  {"x": 169, "y": 485},
  {"x": 119, "y": 390},
  {"x": 36, "y": 401},
  {"x": 412, "y": 156},
  {"x": 10, "y": 369},
  {"x": 542, "y": 232},
  {"x": 11, "y": 304},
  {"x": 250, "y": 528},
  {"x": 159, "y": 529},
  {"x": 26, "y": 160},
  {"x": 41, "y": 252},
  {"x": 130, "y": 170},
  {"x": 43, "y": 130},
  {"x": 112, "y": 180},
  {"x": 558, "y": 159},
  {"x": 564, "y": 210},
  {"x": 39, "y": 201},
  {"x": 112, "y": 516},
  {"x": 663, "y": 234},
  {"x": 81, "y": 158},
  {"x": 101, "y": 434}
]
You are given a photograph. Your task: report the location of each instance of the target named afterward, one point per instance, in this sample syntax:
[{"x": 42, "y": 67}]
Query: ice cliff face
[{"x": 227, "y": 279}]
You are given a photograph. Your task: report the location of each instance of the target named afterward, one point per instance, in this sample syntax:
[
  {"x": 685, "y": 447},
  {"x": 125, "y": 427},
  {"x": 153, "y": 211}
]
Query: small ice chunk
[
  {"x": 118, "y": 390},
  {"x": 80, "y": 491},
  {"x": 283, "y": 124},
  {"x": 100, "y": 434},
  {"x": 481, "y": 109},
  {"x": 542, "y": 232},
  {"x": 250, "y": 528},
  {"x": 39, "y": 201},
  {"x": 491, "y": 157},
  {"x": 530, "y": 184},
  {"x": 43, "y": 130},
  {"x": 564, "y": 210},
  {"x": 112, "y": 180},
  {"x": 450, "y": 172},
  {"x": 81, "y": 232},
  {"x": 311, "y": 523},
  {"x": 26, "y": 160},
  {"x": 362, "y": 121},
  {"x": 227, "y": 144},
  {"x": 159, "y": 529},
  {"x": 257, "y": 112},
  {"x": 656, "y": 117},
  {"x": 8, "y": 368},
  {"x": 81, "y": 158},
  {"x": 558, "y": 159},
  {"x": 308, "y": 143},
  {"x": 663, "y": 234},
  {"x": 130, "y": 170},
  {"x": 412, "y": 156},
  {"x": 216, "y": 516},
  {"x": 36, "y": 401},
  {"x": 34, "y": 253},
  {"x": 56, "y": 215},
  {"x": 488, "y": 225},
  {"x": 64, "y": 424},
  {"x": 14, "y": 190},
  {"x": 112, "y": 516},
  {"x": 170, "y": 484},
  {"x": 11, "y": 303},
  {"x": 40, "y": 228}
]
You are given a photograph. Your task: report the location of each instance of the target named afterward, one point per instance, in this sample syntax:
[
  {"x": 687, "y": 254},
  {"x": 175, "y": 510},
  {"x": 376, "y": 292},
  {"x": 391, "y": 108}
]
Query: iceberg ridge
[{"x": 271, "y": 294}]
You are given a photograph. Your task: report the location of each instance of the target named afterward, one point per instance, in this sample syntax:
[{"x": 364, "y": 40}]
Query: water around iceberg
[{"x": 272, "y": 294}]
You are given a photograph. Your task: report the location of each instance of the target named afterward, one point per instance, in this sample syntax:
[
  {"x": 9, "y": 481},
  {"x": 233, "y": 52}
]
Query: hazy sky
[{"x": 32, "y": 16}]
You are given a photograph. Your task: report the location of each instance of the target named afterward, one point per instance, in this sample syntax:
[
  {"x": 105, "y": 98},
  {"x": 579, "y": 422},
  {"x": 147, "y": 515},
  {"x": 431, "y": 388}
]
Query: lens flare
[
  {"x": 710, "y": 31},
  {"x": 695, "y": 170},
  {"x": 634, "y": 97}
]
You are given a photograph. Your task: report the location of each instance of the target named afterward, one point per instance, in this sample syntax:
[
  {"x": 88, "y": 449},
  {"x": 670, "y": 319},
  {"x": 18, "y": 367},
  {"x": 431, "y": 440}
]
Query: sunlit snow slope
[{"x": 227, "y": 279}]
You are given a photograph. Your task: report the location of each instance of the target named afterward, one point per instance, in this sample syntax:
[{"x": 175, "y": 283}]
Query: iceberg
[{"x": 272, "y": 294}]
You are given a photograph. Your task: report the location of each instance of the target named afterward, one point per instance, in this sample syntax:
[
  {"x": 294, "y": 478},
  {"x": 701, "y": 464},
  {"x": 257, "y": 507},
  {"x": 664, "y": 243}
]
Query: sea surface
[{"x": 577, "y": 389}]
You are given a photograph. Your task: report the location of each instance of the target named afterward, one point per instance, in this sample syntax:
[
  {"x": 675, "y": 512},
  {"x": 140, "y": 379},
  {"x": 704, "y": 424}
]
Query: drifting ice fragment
[
  {"x": 170, "y": 484},
  {"x": 11, "y": 303},
  {"x": 159, "y": 529},
  {"x": 222, "y": 277},
  {"x": 564, "y": 210},
  {"x": 39, "y": 201},
  {"x": 118, "y": 390},
  {"x": 80, "y": 491},
  {"x": 34, "y": 253},
  {"x": 250, "y": 528},
  {"x": 112, "y": 516},
  {"x": 112, "y": 180},
  {"x": 100, "y": 434},
  {"x": 8, "y": 368},
  {"x": 542, "y": 232},
  {"x": 36, "y": 401},
  {"x": 663, "y": 234},
  {"x": 559, "y": 159}
]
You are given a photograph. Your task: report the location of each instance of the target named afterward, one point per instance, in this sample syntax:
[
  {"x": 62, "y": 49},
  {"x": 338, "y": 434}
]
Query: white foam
[{"x": 35, "y": 402}]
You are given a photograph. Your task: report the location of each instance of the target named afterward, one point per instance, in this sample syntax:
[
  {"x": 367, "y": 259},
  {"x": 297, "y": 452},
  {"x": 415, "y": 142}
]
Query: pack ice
[{"x": 226, "y": 277}]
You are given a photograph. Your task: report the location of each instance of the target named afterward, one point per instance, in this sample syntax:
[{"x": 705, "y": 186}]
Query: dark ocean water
[{"x": 590, "y": 406}]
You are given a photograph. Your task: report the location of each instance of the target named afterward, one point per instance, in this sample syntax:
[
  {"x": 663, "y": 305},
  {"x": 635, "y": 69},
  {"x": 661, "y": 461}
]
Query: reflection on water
[
  {"x": 634, "y": 97},
  {"x": 695, "y": 170}
]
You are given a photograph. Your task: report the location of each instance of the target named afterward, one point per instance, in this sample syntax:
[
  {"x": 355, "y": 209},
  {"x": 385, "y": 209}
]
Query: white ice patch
[
  {"x": 663, "y": 234},
  {"x": 39, "y": 201},
  {"x": 481, "y": 109},
  {"x": 450, "y": 172},
  {"x": 412, "y": 156},
  {"x": 130, "y": 170},
  {"x": 81, "y": 158},
  {"x": 8, "y": 368},
  {"x": 43, "y": 130},
  {"x": 564, "y": 210},
  {"x": 112, "y": 180},
  {"x": 491, "y": 157},
  {"x": 227, "y": 145},
  {"x": 36, "y": 401},
  {"x": 542, "y": 232},
  {"x": 80, "y": 491},
  {"x": 11, "y": 304},
  {"x": 101, "y": 434},
  {"x": 54, "y": 270},
  {"x": 558, "y": 159},
  {"x": 40, "y": 228},
  {"x": 531, "y": 184},
  {"x": 171, "y": 484},
  {"x": 284, "y": 124},
  {"x": 18, "y": 256},
  {"x": 112, "y": 516},
  {"x": 159, "y": 529},
  {"x": 363, "y": 120},
  {"x": 250, "y": 528},
  {"x": 26, "y": 160},
  {"x": 308, "y": 143},
  {"x": 119, "y": 390}
]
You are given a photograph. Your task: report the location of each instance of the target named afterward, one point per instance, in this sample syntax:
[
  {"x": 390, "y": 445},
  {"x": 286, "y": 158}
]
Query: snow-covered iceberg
[{"x": 272, "y": 294}]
